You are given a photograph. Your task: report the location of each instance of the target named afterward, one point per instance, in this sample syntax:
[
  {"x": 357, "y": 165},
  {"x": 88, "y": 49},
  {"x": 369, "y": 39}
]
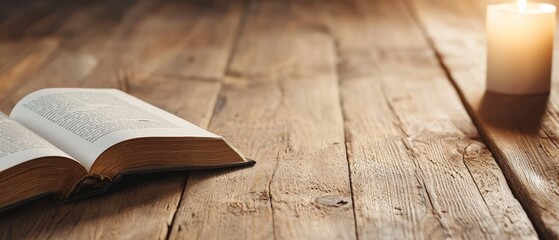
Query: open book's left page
[
  {"x": 19, "y": 144},
  {"x": 30, "y": 166}
]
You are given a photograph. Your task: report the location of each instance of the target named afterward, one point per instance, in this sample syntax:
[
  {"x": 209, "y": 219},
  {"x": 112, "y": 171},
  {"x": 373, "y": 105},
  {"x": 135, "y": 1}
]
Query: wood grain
[
  {"x": 84, "y": 46},
  {"x": 521, "y": 131},
  {"x": 279, "y": 104},
  {"x": 98, "y": 54},
  {"x": 346, "y": 105},
  {"x": 418, "y": 167}
]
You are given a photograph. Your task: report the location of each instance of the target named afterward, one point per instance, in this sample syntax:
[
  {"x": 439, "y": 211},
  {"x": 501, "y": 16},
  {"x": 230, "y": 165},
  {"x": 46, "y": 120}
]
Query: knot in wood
[{"x": 333, "y": 200}]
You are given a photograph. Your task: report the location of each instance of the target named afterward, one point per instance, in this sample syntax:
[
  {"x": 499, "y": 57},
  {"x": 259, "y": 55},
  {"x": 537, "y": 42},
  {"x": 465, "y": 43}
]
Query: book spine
[{"x": 89, "y": 186}]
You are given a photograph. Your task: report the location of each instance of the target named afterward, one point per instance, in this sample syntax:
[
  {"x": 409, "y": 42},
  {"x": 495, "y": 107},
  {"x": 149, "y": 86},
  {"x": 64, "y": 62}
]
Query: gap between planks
[
  {"x": 238, "y": 32},
  {"x": 413, "y": 11},
  {"x": 346, "y": 138}
]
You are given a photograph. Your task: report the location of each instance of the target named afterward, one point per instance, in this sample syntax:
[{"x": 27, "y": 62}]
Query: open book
[{"x": 74, "y": 142}]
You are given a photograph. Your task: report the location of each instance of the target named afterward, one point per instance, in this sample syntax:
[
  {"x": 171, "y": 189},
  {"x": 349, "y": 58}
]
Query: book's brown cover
[
  {"x": 92, "y": 186},
  {"x": 104, "y": 184}
]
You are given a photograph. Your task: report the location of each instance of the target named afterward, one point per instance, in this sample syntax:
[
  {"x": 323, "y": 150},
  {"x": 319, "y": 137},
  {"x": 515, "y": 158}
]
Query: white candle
[{"x": 520, "y": 47}]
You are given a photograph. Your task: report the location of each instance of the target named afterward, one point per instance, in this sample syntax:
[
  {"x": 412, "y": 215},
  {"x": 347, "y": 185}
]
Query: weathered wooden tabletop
[{"x": 368, "y": 119}]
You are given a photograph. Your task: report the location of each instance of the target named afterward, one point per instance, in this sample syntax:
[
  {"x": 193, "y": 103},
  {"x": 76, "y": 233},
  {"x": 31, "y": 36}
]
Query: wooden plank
[
  {"x": 17, "y": 16},
  {"x": 279, "y": 104},
  {"x": 19, "y": 60},
  {"x": 521, "y": 131},
  {"x": 142, "y": 206},
  {"x": 83, "y": 39},
  {"x": 20, "y": 55},
  {"x": 418, "y": 168}
]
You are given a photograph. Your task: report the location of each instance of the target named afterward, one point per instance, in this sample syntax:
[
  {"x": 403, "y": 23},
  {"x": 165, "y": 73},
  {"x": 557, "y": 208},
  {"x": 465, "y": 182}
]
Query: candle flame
[{"x": 521, "y": 5}]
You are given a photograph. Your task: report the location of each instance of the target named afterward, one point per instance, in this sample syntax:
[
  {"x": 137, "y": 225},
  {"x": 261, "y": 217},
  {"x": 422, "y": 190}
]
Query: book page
[
  {"x": 19, "y": 144},
  {"x": 86, "y": 122}
]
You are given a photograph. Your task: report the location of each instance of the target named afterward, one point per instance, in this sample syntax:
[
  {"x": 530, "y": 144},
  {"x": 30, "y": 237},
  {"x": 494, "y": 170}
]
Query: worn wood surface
[
  {"x": 406, "y": 127},
  {"x": 521, "y": 131},
  {"x": 351, "y": 108},
  {"x": 279, "y": 104},
  {"x": 100, "y": 54}
]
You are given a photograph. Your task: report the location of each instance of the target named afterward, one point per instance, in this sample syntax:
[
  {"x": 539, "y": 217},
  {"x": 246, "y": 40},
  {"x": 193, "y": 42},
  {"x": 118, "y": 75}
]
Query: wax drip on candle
[{"x": 521, "y": 5}]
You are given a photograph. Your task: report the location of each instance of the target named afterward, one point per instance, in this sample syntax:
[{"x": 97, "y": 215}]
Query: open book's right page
[{"x": 86, "y": 122}]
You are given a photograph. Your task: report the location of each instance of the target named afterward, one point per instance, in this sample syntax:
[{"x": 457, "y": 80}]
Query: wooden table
[{"x": 368, "y": 119}]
